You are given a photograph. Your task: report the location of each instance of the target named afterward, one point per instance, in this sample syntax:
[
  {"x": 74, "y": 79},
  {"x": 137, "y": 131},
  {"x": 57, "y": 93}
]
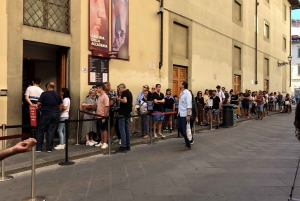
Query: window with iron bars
[{"x": 52, "y": 15}]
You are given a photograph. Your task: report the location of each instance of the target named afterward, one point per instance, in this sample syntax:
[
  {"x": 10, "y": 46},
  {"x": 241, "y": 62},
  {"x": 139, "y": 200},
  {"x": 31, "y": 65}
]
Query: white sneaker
[
  {"x": 120, "y": 142},
  {"x": 60, "y": 146},
  {"x": 94, "y": 142},
  {"x": 104, "y": 146},
  {"x": 161, "y": 135},
  {"x": 155, "y": 136},
  {"x": 99, "y": 145},
  {"x": 89, "y": 143}
]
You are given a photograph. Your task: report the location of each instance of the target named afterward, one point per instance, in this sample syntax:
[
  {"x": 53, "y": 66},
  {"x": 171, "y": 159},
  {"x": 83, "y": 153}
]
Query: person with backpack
[
  {"x": 169, "y": 107},
  {"x": 145, "y": 114}
]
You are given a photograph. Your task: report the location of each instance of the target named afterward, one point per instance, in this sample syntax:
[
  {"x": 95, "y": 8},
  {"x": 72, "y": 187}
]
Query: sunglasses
[
  {"x": 168, "y": 94},
  {"x": 153, "y": 88}
]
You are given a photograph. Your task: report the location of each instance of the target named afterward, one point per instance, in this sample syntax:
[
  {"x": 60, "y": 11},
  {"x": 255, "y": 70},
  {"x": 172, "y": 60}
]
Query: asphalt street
[{"x": 255, "y": 161}]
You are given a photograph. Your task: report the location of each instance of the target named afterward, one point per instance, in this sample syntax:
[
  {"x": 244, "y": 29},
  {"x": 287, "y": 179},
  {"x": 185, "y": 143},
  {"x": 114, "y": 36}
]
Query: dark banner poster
[
  {"x": 120, "y": 28},
  {"x": 98, "y": 27},
  {"x": 98, "y": 70}
]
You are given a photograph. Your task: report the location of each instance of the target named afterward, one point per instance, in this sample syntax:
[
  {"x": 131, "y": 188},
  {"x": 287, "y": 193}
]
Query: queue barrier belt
[{"x": 15, "y": 136}]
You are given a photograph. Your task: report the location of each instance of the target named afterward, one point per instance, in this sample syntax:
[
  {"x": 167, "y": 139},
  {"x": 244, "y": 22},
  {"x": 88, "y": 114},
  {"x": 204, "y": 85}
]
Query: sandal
[
  {"x": 146, "y": 136},
  {"x": 186, "y": 148}
]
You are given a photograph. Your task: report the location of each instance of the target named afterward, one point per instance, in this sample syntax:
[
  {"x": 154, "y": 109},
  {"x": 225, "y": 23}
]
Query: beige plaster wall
[
  {"x": 3, "y": 60},
  {"x": 144, "y": 37},
  {"x": 214, "y": 32}
]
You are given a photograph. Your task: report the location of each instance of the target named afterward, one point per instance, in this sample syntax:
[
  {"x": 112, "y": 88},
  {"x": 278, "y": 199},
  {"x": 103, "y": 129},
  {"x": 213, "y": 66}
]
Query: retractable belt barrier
[{"x": 33, "y": 197}]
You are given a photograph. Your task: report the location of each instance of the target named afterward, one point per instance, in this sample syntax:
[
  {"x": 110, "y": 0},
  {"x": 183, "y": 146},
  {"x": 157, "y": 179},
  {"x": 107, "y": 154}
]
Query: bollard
[
  {"x": 34, "y": 197},
  {"x": 67, "y": 162},
  {"x": 78, "y": 123},
  {"x": 108, "y": 133},
  {"x": 150, "y": 127},
  {"x": 3, "y": 177},
  {"x": 211, "y": 120}
]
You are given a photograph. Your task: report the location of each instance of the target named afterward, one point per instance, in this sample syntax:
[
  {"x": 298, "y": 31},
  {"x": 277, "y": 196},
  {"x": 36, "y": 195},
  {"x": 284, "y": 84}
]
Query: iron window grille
[{"x": 51, "y": 15}]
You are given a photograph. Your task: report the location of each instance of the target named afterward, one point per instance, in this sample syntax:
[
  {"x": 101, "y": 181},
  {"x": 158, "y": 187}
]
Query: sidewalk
[{"x": 22, "y": 162}]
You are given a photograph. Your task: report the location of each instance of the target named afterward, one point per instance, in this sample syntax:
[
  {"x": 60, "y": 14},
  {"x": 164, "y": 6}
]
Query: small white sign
[
  {"x": 209, "y": 102},
  {"x": 84, "y": 70},
  {"x": 104, "y": 77}
]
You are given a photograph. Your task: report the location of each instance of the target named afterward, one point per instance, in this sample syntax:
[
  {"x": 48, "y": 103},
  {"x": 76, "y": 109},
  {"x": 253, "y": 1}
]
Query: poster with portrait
[
  {"x": 98, "y": 25},
  {"x": 120, "y": 28}
]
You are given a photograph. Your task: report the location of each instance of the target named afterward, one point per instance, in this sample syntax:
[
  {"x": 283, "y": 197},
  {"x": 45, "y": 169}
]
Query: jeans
[
  {"x": 145, "y": 125},
  {"x": 50, "y": 129},
  {"x": 124, "y": 127},
  {"x": 61, "y": 130},
  {"x": 181, "y": 126}
]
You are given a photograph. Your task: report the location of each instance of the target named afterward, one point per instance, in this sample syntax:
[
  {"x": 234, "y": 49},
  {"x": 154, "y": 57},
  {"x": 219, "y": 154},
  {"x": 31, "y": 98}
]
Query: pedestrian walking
[
  {"x": 184, "y": 113},
  {"x": 51, "y": 104},
  {"x": 125, "y": 98}
]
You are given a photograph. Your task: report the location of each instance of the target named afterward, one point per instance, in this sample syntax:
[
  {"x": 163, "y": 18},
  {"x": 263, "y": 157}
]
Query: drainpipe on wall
[
  {"x": 256, "y": 22},
  {"x": 161, "y": 12},
  {"x": 290, "y": 45}
]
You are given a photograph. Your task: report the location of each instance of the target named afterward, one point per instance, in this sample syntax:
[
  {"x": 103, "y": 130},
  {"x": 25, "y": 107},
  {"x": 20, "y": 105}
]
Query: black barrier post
[
  {"x": 150, "y": 128},
  {"x": 3, "y": 177},
  {"x": 78, "y": 123},
  {"x": 108, "y": 133},
  {"x": 67, "y": 162}
]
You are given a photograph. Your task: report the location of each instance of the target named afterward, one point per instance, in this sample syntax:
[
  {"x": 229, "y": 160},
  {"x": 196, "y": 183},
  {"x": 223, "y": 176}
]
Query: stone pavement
[
  {"x": 23, "y": 162},
  {"x": 253, "y": 162}
]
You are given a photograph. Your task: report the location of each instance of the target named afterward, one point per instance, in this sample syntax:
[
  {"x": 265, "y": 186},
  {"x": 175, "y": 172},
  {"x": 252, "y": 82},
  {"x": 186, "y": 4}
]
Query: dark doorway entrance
[{"x": 48, "y": 62}]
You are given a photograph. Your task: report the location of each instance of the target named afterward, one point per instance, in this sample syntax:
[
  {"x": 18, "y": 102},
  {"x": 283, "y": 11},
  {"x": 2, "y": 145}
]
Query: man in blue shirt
[
  {"x": 51, "y": 104},
  {"x": 184, "y": 113},
  {"x": 279, "y": 101}
]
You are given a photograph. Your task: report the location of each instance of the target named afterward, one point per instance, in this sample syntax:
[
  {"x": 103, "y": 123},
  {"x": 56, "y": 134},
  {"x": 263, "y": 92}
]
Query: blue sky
[{"x": 296, "y": 14}]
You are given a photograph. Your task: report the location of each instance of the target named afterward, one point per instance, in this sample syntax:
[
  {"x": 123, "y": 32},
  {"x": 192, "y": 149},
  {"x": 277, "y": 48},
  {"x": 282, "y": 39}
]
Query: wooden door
[
  {"x": 61, "y": 69},
  {"x": 266, "y": 85},
  {"x": 237, "y": 83},
  {"x": 179, "y": 75}
]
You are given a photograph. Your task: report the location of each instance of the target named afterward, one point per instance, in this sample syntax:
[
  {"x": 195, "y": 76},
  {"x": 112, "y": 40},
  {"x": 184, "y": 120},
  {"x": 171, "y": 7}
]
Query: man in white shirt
[{"x": 184, "y": 113}]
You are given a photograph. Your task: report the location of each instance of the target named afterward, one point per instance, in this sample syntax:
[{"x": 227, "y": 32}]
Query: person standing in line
[
  {"x": 184, "y": 113},
  {"x": 217, "y": 104},
  {"x": 137, "y": 108},
  {"x": 145, "y": 114},
  {"x": 51, "y": 104},
  {"x": 124, "y": 117},
  {"x": 222, "y": 98},
  {"x": 200, "y": 107},
  {"x": 158, "y": 109},
  {"x": 103, "y": 111},
  {"x": 32, "y": 95},
  {"x": 205, "y": 97},
  {"x": 194, "y": 115},
  {"x": 279, "y": 101},
  {"x": 176, "y": 100},
  {"x": 112, "y": 95},
  {"x": 89, "y": 105},
  {"x": 64, "y": 115},
  {"x": 260, "y": 105}
]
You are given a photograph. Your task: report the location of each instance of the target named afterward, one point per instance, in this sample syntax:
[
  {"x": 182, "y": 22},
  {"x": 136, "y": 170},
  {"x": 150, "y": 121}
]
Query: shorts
[
  {"x": 102, "y": 125},
  {"x": 250, "y": 105},
  {"x": 214, "y": 112},
  {"x": 246, "y": 106},
  {"x": 158, "y": 116},
  {"x": 260, "y": 108},
  {"x": 271, "y": 103},
  {"x": 279, "y": 103}
]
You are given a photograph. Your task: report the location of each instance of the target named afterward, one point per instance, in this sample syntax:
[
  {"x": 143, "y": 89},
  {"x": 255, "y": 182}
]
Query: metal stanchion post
[
  {"x": 211, "y": 119},
  {"x": 150, "y": 132},
  {"x": 67, "y": 162},
  {"x": 3, "y": 177},
  {"x": 34, "y": 197},
  {"x": 108, "y": 133},
  {"x": 77, "y": 131}
]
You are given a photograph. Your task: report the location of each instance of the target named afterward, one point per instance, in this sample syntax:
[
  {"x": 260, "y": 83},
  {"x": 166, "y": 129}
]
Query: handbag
[{"x": 189, "y": 131}]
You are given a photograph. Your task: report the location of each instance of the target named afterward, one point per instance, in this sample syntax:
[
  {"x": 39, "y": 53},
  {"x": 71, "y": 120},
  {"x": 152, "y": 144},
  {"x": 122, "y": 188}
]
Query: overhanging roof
[{"x": 295, "y": 4}]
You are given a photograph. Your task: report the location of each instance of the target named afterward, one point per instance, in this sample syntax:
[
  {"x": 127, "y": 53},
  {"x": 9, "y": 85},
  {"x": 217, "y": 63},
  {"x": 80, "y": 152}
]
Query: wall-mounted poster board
[{"x": 98, "y": 70}]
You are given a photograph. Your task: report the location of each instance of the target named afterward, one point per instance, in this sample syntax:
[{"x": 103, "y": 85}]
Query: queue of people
[{"x": 166, "y": 111}]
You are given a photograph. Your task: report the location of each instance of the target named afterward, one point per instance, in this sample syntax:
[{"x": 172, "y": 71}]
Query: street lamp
[{"x": 285, "y": 63}]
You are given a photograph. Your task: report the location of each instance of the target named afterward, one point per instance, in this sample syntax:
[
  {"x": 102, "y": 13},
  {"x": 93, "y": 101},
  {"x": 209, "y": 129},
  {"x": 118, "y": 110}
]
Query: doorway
[
  {"x": 48, "y": 62},
  {"x": 179, "y": 75},
  {"x": 236, "y": 84},
  {"x": 266, "y": 86}
]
